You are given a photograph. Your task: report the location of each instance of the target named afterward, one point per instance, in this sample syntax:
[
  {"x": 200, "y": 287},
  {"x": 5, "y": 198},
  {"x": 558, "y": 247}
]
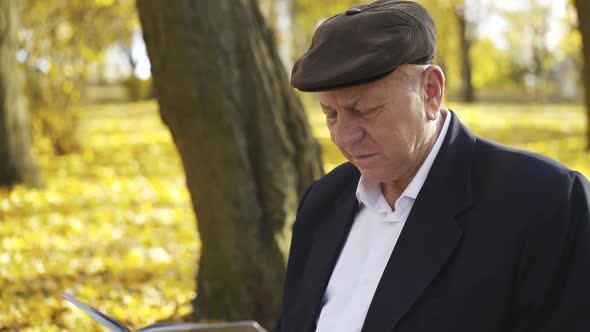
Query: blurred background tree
[
  {"x": 246, "y": 146},
  {"x": 16, "y": 163},
  {"x": 583, "y": 10},
  {"x": 62, "y": 47},
  {"x": 465, "y": 41}
]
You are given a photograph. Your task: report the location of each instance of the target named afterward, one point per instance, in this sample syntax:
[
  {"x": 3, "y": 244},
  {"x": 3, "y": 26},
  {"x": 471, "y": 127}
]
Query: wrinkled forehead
[{"x": 369, "y": 93}]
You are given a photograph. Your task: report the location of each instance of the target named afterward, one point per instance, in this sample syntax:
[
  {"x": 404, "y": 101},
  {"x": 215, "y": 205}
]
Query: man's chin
[
  {"x": 375, "y": 175},
  {"x": 370, "y": 175}
]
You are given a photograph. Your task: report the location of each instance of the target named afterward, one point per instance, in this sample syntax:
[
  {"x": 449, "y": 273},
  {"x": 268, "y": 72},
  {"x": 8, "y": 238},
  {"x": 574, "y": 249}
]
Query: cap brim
[{"x": 347, "y": 85}]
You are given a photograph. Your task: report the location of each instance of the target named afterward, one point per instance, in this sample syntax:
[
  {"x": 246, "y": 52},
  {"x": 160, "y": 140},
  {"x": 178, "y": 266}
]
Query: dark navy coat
[{"x": 498, "y": 240}]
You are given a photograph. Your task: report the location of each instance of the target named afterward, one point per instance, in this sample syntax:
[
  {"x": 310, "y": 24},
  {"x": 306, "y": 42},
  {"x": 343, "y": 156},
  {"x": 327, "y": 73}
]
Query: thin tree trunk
[
  {"x": 284, "y": 27},
  {"x": 583, "y": 7},
  {"x": 16, "y": 164},
  {"x": 468, "y": 93},
  {"x": 244, "y": 141}
]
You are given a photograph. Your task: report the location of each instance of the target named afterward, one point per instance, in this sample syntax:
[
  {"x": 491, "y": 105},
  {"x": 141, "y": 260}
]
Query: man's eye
[
  {"x": 331, "y": 115},
  {"x": 368, "y": 112}
]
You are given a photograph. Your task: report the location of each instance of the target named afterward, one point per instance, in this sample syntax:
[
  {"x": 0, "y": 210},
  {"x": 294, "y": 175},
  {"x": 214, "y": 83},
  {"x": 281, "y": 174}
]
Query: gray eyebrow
[
  {"x": 326, "y": 107},
  {"x": 353, "y": 105}
]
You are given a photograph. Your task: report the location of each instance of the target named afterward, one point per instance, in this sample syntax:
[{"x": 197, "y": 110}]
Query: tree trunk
[
  {"x": 468, "y": 94},
  {"x": 583, "y": 7},
  {"x": 16, "y": 164},
  {"x": 284, "y": 26},
  {"x": 539, "y": 17},
  {"x": 245, "y": 144}
]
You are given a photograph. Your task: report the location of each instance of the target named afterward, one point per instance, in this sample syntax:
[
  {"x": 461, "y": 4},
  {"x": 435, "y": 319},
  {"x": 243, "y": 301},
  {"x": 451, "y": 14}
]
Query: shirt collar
[{"x": 370, "y": 194}]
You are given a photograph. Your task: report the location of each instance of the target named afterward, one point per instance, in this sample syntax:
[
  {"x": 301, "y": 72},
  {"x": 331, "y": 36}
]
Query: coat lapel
[
  {"x": 430, "y": 234},
  {"x": 328, "y": 240}
]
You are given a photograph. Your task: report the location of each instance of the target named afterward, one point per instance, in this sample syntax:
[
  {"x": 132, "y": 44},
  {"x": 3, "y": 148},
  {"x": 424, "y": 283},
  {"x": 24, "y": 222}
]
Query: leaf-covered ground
[{"x": 114, "y": 225}]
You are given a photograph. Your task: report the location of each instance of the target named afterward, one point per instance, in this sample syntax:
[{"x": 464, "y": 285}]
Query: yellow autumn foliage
[{"x": 115, "y": 227}]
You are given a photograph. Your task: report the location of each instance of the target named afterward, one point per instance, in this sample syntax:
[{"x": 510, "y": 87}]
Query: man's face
[{"x": 380, "y": 126}]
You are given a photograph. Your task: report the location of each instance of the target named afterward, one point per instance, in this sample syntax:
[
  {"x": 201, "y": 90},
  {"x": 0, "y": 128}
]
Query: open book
[{"x": 116, "y": 326}]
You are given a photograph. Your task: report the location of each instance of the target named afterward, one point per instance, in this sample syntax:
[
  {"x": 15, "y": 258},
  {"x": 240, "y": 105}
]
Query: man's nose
[{"x": 346, "y": 131}]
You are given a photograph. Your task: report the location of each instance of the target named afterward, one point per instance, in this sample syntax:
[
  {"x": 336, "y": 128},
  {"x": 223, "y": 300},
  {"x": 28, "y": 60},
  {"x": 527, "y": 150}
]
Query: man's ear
[{"x": 434, "y": 87}]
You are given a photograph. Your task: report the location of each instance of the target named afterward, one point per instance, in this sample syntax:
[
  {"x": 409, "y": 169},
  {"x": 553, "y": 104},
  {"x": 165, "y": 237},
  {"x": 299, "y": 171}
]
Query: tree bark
[
  {"x": 245, "y": 144},
  {"x": 583, "y": 7},
  {"x": 16, "y": 163},
  {"x": 468, "y": 92}
]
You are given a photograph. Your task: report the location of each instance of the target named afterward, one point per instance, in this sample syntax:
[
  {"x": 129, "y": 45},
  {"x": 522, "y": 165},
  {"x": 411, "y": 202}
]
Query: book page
[
  {"x": 241, "y": 326},
  {"x": 105, "y": 320}
]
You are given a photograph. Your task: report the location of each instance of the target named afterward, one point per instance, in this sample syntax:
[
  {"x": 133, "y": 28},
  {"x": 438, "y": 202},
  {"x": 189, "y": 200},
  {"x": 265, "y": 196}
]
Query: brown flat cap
[{"x": 364, "y": 44}]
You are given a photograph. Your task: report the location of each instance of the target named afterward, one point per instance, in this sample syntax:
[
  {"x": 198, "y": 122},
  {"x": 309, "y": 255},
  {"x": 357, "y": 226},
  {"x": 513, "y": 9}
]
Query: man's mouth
[{"x": 362, "y": 157}]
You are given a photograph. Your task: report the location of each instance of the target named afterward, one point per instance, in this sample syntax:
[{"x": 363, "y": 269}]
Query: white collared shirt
[{"x": 371, "y": 240}]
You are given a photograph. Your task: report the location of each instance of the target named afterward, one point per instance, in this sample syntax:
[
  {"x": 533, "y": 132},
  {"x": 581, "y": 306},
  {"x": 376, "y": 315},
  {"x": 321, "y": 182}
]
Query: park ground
[{"x": 114, "y": 224}]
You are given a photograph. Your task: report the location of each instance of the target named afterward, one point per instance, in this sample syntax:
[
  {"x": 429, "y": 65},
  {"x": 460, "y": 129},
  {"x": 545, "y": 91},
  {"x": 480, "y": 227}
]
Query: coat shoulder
[
  {"x": 519, "y": 166},
  {"x": 340, "y": 180}
]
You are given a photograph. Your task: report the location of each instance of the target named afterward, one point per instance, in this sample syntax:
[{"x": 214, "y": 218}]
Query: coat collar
[
  {"x": 429, "y": 237},
  {"x": 328, "y": 240},
  {"x": 430, "y": 234}
]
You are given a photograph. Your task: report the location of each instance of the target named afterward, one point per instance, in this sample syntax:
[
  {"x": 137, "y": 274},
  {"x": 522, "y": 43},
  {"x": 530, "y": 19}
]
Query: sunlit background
[{"x": 112, "y": 221}]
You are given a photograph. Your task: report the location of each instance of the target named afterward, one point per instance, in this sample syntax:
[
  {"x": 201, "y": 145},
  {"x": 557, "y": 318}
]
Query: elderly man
[{"x": 428, "y": 227}]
